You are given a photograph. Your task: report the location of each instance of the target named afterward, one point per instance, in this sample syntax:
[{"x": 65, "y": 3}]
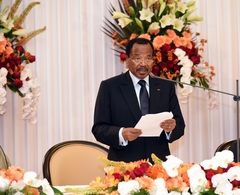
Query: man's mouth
[{"x": 142, "y": 70}]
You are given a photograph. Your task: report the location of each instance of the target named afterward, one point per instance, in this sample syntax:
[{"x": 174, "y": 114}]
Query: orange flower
[
  {"x": 145, "y": 36},
  {"x": 159, "y": 56},
  {"x": 133, "y": 36},
  {"x": 187, "y": 35},
  {"x": 13, "y": 173},
  {"x": 157, "y": 171},
  {"x": 171, "y": 34},
  {"x": 3, "y": 45},
  {"x": 145, "y": 182},
  {"x": 176, "y": 183},
  {"x": 159, "y": 41},
  {"x": 31, "y": 190},
  {"x": 180, "y": 41}
]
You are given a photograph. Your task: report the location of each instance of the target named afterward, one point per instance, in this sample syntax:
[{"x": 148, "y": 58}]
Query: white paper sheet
[{"x": 149, "y": 124}]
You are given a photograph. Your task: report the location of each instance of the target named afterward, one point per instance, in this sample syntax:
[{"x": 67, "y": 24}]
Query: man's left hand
[{"x": 168, "y": 125}]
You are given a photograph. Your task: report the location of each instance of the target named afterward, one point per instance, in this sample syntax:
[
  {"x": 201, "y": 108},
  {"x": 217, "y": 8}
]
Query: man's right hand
[{"x": 131, "y": 134}]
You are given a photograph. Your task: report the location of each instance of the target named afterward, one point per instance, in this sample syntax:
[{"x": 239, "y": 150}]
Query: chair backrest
[
  {"x": 225, "y": 145},
  {"x": 4, "y": 160},
  {"x": 74, "y": 162}
]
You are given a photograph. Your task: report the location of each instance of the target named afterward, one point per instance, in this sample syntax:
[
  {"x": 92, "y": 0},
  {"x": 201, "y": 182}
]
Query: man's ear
[{"x": 127, "y": 62}]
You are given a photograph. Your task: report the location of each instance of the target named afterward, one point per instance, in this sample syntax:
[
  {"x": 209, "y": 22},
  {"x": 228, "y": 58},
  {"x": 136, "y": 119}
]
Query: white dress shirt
[{"x": 137, "y": 88}]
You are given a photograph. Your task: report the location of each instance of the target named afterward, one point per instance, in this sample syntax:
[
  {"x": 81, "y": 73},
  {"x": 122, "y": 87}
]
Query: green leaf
[
  {"x": 163, "y": 6},
  {"x": 142, "y": 191},
  {"x": 56, "y": 191}
]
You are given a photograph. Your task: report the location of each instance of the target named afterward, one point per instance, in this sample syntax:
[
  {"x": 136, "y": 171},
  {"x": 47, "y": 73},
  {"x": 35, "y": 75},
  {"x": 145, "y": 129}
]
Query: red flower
[
  {"x": 16, "y": 75},
  {"x": 130, "y": 174},
  {"x": 165, "y": 47},
  {"x": 195, "y": 59},
  {"x": 144, "y": 166},
  {"x": 123, "y": 57},
  {"x": 235, "y": 183},
  {"x": 20, "y": 49},
  {"x": 156, "y": 70},
  {"x": 18, "y": 83},
  {"x": 163, "y": 65},
  {"x": 31, "y": 59},
  {"x": 138, "y": 171},
  {"x": 118, "y": 176},
  {"x": 210, "y": 174}
]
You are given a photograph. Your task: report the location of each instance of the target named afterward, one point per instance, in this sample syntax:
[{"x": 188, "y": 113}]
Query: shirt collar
[{"x": 135, "y": 79}]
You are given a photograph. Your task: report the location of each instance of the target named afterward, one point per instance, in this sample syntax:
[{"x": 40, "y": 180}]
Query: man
[{"x": 118, "y": 109}]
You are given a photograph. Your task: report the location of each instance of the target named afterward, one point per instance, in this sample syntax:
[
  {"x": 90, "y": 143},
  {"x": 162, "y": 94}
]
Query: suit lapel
[
  {"x": 129, "y": 94},
  {"x": 155, "y": 94}
]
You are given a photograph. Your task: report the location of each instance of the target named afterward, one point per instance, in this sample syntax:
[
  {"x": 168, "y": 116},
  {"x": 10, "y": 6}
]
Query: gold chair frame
[{"x": 74, "y": 162}]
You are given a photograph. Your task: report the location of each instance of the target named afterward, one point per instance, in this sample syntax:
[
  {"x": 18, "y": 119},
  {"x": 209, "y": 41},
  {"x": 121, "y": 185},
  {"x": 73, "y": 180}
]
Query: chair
[
  {"x": 225, "y": 145},
  {"x": 4, "y": 160},
  {"x": 74, "y": 162}
]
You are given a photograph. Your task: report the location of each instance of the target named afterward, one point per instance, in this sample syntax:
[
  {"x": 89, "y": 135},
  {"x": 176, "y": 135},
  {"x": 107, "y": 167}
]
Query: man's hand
[
  {"x": 168, "y": 125},
  {"x": 131, "y": 134}
]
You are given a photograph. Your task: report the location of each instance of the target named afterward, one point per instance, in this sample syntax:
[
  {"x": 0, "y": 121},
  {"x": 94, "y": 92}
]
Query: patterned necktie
[{"x": 144, "y": 99}]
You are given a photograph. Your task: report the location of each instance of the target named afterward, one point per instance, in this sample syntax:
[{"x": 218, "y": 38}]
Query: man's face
[{"x": 140, "y": 62}]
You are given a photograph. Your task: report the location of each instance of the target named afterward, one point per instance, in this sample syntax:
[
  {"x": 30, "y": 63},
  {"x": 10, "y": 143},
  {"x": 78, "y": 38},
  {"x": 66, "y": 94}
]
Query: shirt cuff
[
  {"x": 168, "y": 135},
  {"x": 122, "y": 141}
]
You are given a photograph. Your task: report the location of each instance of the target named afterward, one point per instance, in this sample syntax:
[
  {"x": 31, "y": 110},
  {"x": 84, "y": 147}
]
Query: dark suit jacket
[{"x": 117, "y": 106}]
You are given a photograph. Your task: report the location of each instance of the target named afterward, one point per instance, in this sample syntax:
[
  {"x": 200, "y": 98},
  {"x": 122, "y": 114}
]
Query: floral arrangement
[
  {"x": 218, "y": 175},
  {"x": 15, "y": 72},
  {"x": 166, "y": 23},
  {"x": 14, "y": 181}
]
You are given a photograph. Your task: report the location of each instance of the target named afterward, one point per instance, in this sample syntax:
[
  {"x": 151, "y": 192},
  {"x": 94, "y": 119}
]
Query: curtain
[{"x": 73, "y": 56}]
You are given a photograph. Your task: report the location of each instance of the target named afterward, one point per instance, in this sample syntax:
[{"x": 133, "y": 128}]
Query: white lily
[
  {"x": 186, "y": 62},
  {"x": 124, "y": 21},
  {"x": 18, "y": 185},
  {"x": 124, "y": 188},
  {"x": 171, "y": 165},
  {"x": 194, "y": 18},
  {"x": 26, "y": 73},
  {"x": 3, "y": 98},
  {"x": 234, "y": 173},
  {"x": 117, "y": 15},
  {"x": 224, "y": 188},
  {"x": 149, "y": 3},
  {"x": 210, "y": 164},
  {"x": 218, "y": 178},
  {"x": 224, "y": 157},
  {"x": 47, "y": 188},
  {"x": 29, "y": 178},
  {"x": 203, "y": 69},
  {"x": 146, "y": 14},
  {"x": 4, "y": 182},
  {"x": 236, "y": 192},
  {"x": 179, "y": 53},
  {"x": 185, "y": 72},
  {"x": 20, "y": 32},
  {"x": 154, "y": 28},
  {"x": 3, "y": 81},
  {"x": 182, "y": 7},
  {"x": 178, "y": 25},
  {"x": 166, "y": 20},
  {"x": 3, "y": 72},
  {"x": 197, "y": 178},
  {"x": 160, "y": 184}
]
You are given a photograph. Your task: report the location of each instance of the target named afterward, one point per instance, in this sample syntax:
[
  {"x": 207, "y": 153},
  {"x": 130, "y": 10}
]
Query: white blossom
[{"x": 125, "y": 187}]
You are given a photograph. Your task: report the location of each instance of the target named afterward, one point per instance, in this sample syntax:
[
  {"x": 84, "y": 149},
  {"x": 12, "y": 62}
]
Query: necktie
[{"x": 144, "y": 99}]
